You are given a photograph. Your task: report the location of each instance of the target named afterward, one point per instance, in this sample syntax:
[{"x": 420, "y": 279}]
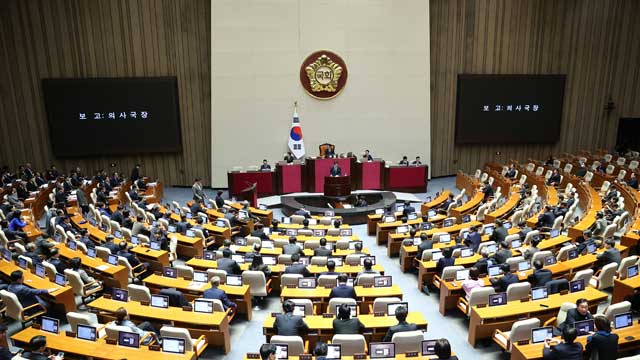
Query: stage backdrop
[{"x": 257, "y": 48}]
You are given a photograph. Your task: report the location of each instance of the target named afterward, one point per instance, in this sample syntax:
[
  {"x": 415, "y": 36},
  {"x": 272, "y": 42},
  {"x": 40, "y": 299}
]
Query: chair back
[
  {"x": 256, "y": 281},
  {"x": 624, "y": 264},
  {"x": 521, "y": 330},
  {"x": 540, "y": 255},
  {"x": 50, "y": 271},
  {"x": 518, "y": 291},
  {"x": 319, "y": 260},
  {"x": 217, "y": 304},
  {"x": 297, "y": 219},
  {"x": 284, "y": 259},
  {"x": 253, "y": 240},
  {"x": 289, "y": 279},
  {"x": 103, "y": 253},
  {"x": 184, "y": 271},
  {"x": 352, "y": 259},
  {"x": 342, "y": 244},
  {"x": 13, "y": 306},
  {"x": 562, "y": 313},
  {"x": 112, "y": 330},
  {"x": 294, "y": 343},
  {"x": 180, "y": 333},
  {"x": 311, "y": 244},
  {"x": 327, "y": 280},
  {"x": 75, "y": 281},
  {"x": 222, "y": 274},
  {"x": 350, "y": 344},
  {"x": 449, "y": 272},
  {"x": 618, "y": 308},
  {"x": 139, "y": 293},
  {"x": 555, "y": 286},
  {"x": 366, "y": 279},
  {"x": 408, "y": 341},
  {"x": 607, "y": 274},
  {"x": 75, "y": 318},
  {"x": 308, "y": 305},
  {"x": 380, "y": 304},
  {"x": 335, "y": 302},
  {"x": 585, "y": 275}
]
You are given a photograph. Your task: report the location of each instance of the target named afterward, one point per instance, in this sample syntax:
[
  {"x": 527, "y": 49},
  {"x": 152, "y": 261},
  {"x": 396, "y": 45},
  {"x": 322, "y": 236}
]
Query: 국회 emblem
[{"x": 323, "y": 74}]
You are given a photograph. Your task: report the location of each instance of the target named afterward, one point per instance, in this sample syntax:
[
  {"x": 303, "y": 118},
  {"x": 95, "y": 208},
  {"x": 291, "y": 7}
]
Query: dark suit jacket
[
  {"x": 60, "y": 266},
  {"x": 473, "y": 241},
  {"x": 117, "y": 217},
  {"x": 298, "y": 268},
  {"x": 563, "y": 351},
  {"x": 482, "y": 265},
  {"x": 229, "y": 265},
  {"x": 291, "y": 249},
  {"x": 503, "y": 282},
  {"x": 135, "y": 174},
  {"x": 25, "y": 294},
  {"x": 335, "y": 171},
  {"x": 288, "y": 324},
  {"x": 501, "y": 256},
  {"x": 219, "y": 202},
  {"x": 442, "y": 263},
  {"x": 609, "y": 256},
  {"x": 546, "y": 219},
  {"x": 554, "y": 179},
  {"x": 218, "y": 294},
  {"x": 499, "y": 234},
  {"x": 604, "y": 344},
  {"x": 133, "y": 260},
  {"x": 401, "y": 327},
  {"x": 572, "y": 316},
  {"x": 321, "y": 251},
  {"x": 425, "y": 245},
  {"x": 113, "y": 247},
  {"x": 343, "y": 291},
  {"x": 348, "y": 326},
  {"x": 540, "y": 277},
  {"x": 176, "y": 297}
]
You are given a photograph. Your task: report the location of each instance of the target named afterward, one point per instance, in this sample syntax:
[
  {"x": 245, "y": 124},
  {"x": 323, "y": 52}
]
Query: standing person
[
  {"x": 603, "y": 342},
  {"x": 135, "y": 173},
  {"x": 567, "y": 350},
  {"x": 219, "y": 200},
  {"x": 198, "y": 191}
]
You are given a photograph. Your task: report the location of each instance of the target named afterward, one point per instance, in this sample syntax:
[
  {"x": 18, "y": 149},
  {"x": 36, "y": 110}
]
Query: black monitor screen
[
  {"x": 511, "y": 109},
  {"x": 110, "y": 116}
]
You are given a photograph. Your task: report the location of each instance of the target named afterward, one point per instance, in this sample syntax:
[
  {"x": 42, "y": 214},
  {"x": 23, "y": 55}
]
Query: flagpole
[{"x": 295, "y": 106}]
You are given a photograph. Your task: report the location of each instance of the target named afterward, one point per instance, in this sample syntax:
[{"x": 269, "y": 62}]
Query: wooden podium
[
  {"x": 249, "y": 194},
  {"x": 337, "y": 185}
]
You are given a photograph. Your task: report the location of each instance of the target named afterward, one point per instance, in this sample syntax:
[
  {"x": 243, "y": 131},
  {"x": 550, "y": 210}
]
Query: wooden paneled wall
[
  {"x": 593, "y": 42},
  {"x": 105, "y": 38}
]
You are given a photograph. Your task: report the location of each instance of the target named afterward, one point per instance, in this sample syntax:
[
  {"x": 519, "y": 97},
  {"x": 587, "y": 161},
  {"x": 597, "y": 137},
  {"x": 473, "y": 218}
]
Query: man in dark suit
[
  {"x": 135, "y": 173},
  {"x": 288, "y": 324},
  {"x": 633, "y": 181},
  {"x": 227, "y": 264},
  {"x": 567, "y": 350},
  {"x": 26, "y": 295},
  {"x": 403, "y": 325},
  {"x": 117, "y": 215},
  {"x": 259, "y": 232},
  {"x": 297, "y": 267},
  {"x": 511, "y": 173},
  {"x": 500, "y": 232},
  {"x": 417, "y": 161},
  {"x": 342, "y": 290},
  {"x": 503, "y": 253},
  {"x": 487, "y": 190},
  {"x": 54, "y": 259},
  {"x": 322, "y": 250},
  {"x": 609, "y": 255},
  {"x": 445, "y": 260},
  {"x": 473, "y": 239},
  {"x": 330, "y": 152},
  {"x": 289, "y": 157},
  {"x": 183, "y": 225},
  {"x": 502, "y": 283},
  {"x": 219, "y": 294},
  {"x": 404, "y": 161},
  {"x": 196, "y": 207},
  {"x": 580, "y": 313},
  {"x": 584, "y": 241},
  {"x": 109, "y": 244},
  {"x": 265, "y": 166},
  {"x": 331, "y": 269},
  {"x": 604, "y": 343},
  {"x": 554, "y": 180},
  {"x": 291, "y": 248},
  {"x": 367, "y": 156},
  {"x": 425, "y": 244},
  {"x": 540, "y": 275},
  {"x": 219, "y": 200},
  {"x": 81, "y": 198},
  {"x": 38, "y": 346},
  {"x": 483, "y": 263},
  {"x": 408, "y": 209},
  {"x": 545, "y": 220},
  {"x": 335, "y": 169}
]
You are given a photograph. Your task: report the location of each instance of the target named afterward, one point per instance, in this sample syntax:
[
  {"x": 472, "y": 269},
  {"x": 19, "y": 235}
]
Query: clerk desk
[
  {"x": 484, "y": 320},
  {"x": 193, "y": 290},
  {"x": 214, "y": 326},
  {"x": 97, "y": 350},
  {"x": 321, "y": 328}
]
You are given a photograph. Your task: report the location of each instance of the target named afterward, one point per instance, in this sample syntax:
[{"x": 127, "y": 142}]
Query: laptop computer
[
  {"x": 268, "y": 244},
  {"x": 291, "y": 232},
  {"x": 632, "y": 271},
  {"x": 282, "y": 351},
  {"x": 72, "y": 245},
  {"x": 239, "y": 258},
  {"x": 428, "y": 347},
  {"x": 134, "y": 240},
  {"x": 154, "y": 245},
  {"x": 346, "y": 232},
  {"x": 382, "y": 350},
  {"x": 336, "y": 259},
  {"x": 493, "y": 270},
  {"x": 22, "y": 263},
  {"x": 554, "y": 233},
  {"x": 172, "y": 345},
  {"x": 576, "y": 285},
  {"x": 488, "y": 230},
  {"x": 299, "y": 310},
  {"x": 352, "y": 244},
  {"x": 445, "y": 238},
  {"x": 623, "y": 320},
  {"x": 112, "y": 259},
  {"x": 318, "y": 232},
  {"x": 120, "y": 294},
  {"x": 524, "y": 266},
  {"x": 540, "y": 334},
  {"x": 584, "y": 327},
  {"x": 379, "y": 211},
  {"x": 447, "y": 223},
  {"x": 128, "y": 339},
  {"x": 269, "y": 260},
  {"x": 466, "y": 218},
  {"x": 86, "y": 332},
  {"x": 426, "y": 226},
  {"x": 507, "y": 225},
  {"x": 539, "y": 293},
  {"x": 516, "y": 244},
  {"x": 307, "y": 283},
  {"x": 61, "y": 280},
  {"x": 402, "y": 229},
  {"x": 117, "y": 234},
  {"x": 200, "y": 276},
  {"x": 572, "y": 254},
  {"x": 50, "y": 324},
  {"x": 159, "y": 301},
  {"x": 6, "y": 254},
  {"x": 550, "y": 260},
  {"x": 203, "y": 306},
  {"x": 498, "y": 299},
  {"x": 389, "y": 219},
  {"x": 220, "y": 223},
  {"x": 190, "y": 233},
  {"x": 412, "y": 216},
  {"x": 591, "y": 248},
  {"x": 334, "y": 352},
  {"x": 391, "y": 307},
  {"x": 436, "y": 255},
  {"x": 169, "y": 272},
  {"x": 466, "y": 252},
  {"x": 462, "y": 275},
  {"x": 209, "y": 255},
  {"x": 382, "y": 281},
  {"x": 234, "y": 280},
  {"x": 171, "y": 228},
  {"x": 431, "y": 213}
]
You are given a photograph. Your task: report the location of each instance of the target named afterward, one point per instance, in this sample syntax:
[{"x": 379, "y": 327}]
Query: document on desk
[
  {"x": 102, "y": 267},
  {"x": 195, "y": 286}
]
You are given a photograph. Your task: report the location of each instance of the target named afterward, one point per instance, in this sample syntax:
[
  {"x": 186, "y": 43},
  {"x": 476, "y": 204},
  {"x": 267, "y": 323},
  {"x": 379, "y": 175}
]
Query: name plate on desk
[
  {"x": 304, "y": 357},
  {"x": 359, "y": 356},
  {"x": 327, "y": 315},
  {"x": 523, "y": 342},
  {"x": 70, "y": 334},
  {"x": 378, "y": 313},
  {"x": 144, "y": 302},
  {"x": 154, "y": 347},
  {"x": 524, "y": 299},
  {"x": 112, "y": 341},
  {"x": 253, "y": 356},
  {"x": 187, "y": 308},
  {"x": 481, "y": 305},
  {"x": 411, "y": 354}
]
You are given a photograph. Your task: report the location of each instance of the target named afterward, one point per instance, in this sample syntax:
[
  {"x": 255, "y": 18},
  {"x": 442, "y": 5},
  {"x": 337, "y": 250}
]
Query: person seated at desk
[
  {"x": 75, "y": 264},
  {"x": 320, "y": 350},
  {"x": 110, "y": 244},
  {"x": 117, "y": 215},
  {"x": 500, "y": 232},
  {"x": 443, "y": 350},
  {"x": 335, "y": 169},
  {"x": 219, "y": 200},
  {"x": 633, "y": 181},
  {"x": 511, "y": 172},
  {"x": 367, "y": 156},
  {"x": 13, "y": 199},
  {"x": 330, "y": 152},
  {"x": 143, "y": 329},
  {"x": 417, "y": 161},
  {"x": 38, "y": 346},
  {"x": 259, "y": 232},
  {"x": 603, "y": 342},
  {"x": 218, "y": 294},
  {"x": 367, "y": 265},
  {"x": 196, "y": 207},
  {"x": 227, "y": 264},
  {"x": 123, "y": 250},
  {"x": 255, "y": 251},
  {"x": 297, "y": 267},
  {"x": 176, "y": 297},
  {"x": 472, "y": 281},
  {"x": 361, "y": 201},
  {"x": 546, "y": 219},
  {"x": 258, "y": 265},
  {"x": 560, "y": 210},
  {"x": 66, "y": 224},
  {"x": 159, "y": 236},
  {"x": 31, "y": 253},
  {"x": 609, "y": 255},
  {"x": 357, "y": 249},
  {"x": 303, "y": 212},
  {"x": 404, "y": 161},
  {"x": 292, "y": 248},
  {"x": 473, "y": 239},
  {"x": 403, "y": 325},
  {"x": 183, "y": 225},
  {"x": 128, "y": 219},
  {"x": 502, "y": 283},
  {"x": 567, "y": 350},
  {"x": 408, "y": 209},
  {"x": 503, "y": 253},
  {"x": 446, "y": 203},
  {"x": 345, "y": 324},
  {"x": 580, "y": 313},
  {"x": 532, "y": 249},
  {"x": 425, "y": 244},
  {"x": 584, "y": 241},
  {"x": 540, "y": 275},
  {"x": 524, "y": 230},
  {"x": 342, "y": 290},
  {"x": 288, "y": 324},
  {"x": 54, "y": 259},
  {"x": 138, "y": 226},
  {"x": 27, "y": 296},
  {"x": 289, "y": 158},
  {"x": 554, "y": 180},
  {"x": 600, "y": 224},
  {"x": 331, "y": 269},
  {"x": 5, "y": 353},
  {"x": 268, "y": 352},
  {"x": 322, "y": 250},
  {"x": 445, "y": 260},
  {"x": 15, "y": 222},
  {"x": 487, "y": 190}
]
